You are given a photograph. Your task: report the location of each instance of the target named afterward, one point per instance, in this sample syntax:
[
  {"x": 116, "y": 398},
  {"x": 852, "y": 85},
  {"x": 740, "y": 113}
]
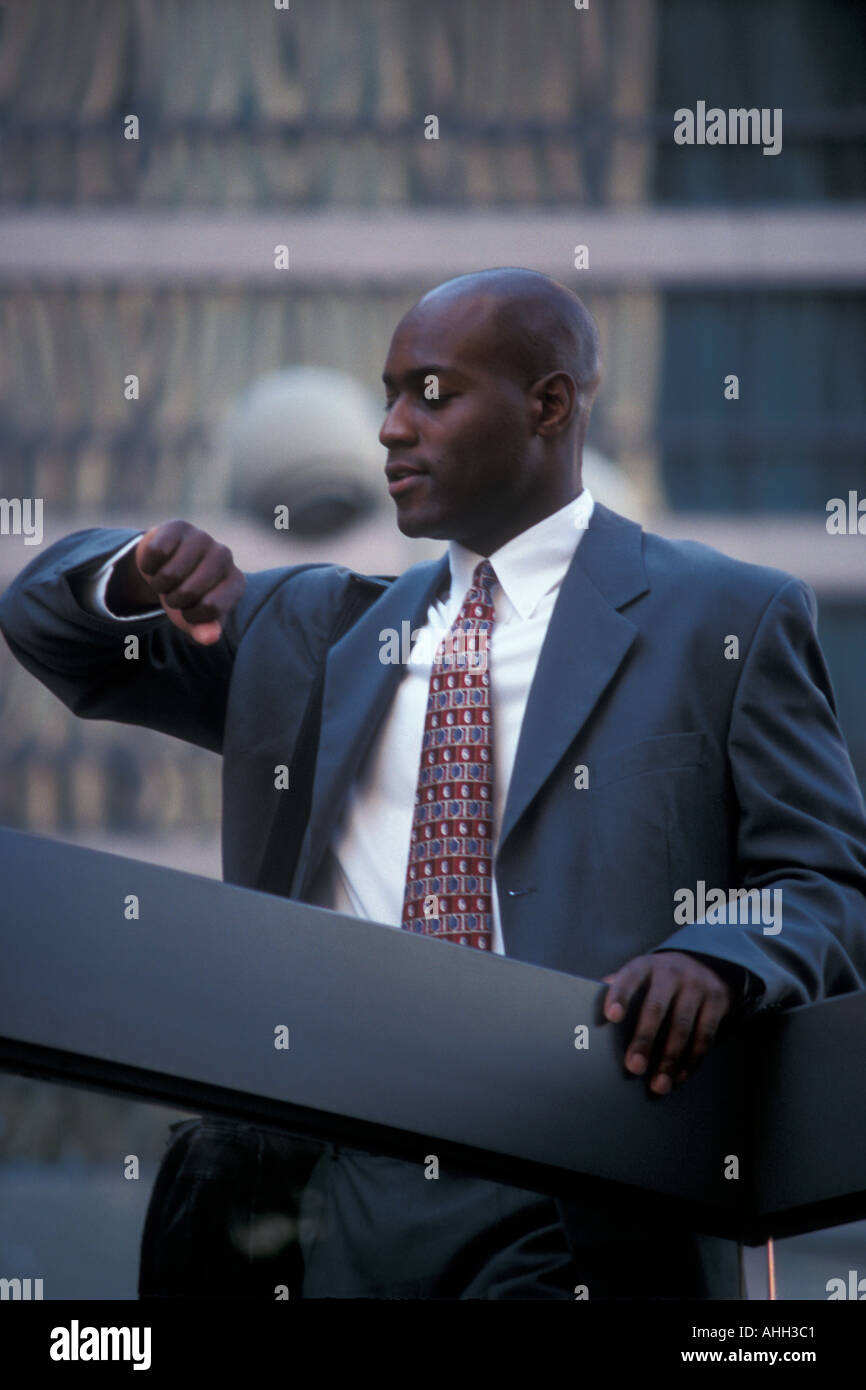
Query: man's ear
[{"x": 554, "y": 402}]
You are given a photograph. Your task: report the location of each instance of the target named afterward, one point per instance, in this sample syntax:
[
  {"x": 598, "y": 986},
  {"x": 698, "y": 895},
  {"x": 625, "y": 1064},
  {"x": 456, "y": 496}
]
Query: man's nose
[{"x": 397, "y": 427}]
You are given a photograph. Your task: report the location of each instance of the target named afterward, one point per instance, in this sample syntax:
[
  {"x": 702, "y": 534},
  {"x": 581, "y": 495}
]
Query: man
[{"x": 619, "y": 748}]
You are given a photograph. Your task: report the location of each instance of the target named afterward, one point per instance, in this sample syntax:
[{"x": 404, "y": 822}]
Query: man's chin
[{"x": 419, "y": 526}]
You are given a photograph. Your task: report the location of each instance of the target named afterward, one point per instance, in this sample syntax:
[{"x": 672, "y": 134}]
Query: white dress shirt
[
  {"x": 363, "y": 870},
  {"x": 95, "y": 586}
]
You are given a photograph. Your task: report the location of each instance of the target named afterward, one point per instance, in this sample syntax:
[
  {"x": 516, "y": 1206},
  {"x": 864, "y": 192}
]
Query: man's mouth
[
  {"x": 403, "y": 482},
  {"x": 403, "y": 476}
]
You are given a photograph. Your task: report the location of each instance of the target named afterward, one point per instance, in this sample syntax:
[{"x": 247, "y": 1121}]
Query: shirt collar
[{"x": 531, "y": 564}]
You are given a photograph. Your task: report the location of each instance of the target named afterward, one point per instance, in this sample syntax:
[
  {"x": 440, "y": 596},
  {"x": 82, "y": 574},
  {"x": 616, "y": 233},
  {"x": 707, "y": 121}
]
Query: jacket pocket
[{"x": 663, "y": 753}]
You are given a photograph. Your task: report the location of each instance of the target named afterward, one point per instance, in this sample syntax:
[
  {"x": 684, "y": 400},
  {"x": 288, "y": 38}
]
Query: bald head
[
  {"x": 534, "y": 324},
  {"x": 489, "y": 381}
]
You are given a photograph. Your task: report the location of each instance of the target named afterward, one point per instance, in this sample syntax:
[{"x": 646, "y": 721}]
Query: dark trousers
[
  {"x": 376, "y": 1227},
  {"x": 240, "y": 1211}
]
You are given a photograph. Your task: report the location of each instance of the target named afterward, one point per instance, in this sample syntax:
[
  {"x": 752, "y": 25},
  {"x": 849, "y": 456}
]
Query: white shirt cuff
[{"x": 94, "y": 586}]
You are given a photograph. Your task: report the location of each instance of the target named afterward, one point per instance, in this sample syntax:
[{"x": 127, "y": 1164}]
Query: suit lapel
[
  {"x": 586, "y": 642},
  {"x": 357, "y": 692}
]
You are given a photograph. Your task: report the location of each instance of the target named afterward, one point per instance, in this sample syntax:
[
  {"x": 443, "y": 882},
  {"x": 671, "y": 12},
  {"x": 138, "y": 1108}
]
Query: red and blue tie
[{"x": 449, "y": 875}]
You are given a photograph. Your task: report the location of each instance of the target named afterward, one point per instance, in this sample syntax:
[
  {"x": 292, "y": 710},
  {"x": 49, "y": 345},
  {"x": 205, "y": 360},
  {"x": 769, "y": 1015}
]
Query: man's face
[{"x": 470, "y": 446}]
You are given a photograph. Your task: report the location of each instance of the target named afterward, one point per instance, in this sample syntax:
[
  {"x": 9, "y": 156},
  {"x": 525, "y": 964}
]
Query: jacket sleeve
[
  {"x": 801, "y": 821},
  {"x": 173, "y": 685}
]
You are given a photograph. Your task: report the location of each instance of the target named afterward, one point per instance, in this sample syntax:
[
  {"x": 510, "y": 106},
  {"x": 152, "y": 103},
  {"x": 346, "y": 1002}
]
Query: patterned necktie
[{"x": 449, "y": 873}]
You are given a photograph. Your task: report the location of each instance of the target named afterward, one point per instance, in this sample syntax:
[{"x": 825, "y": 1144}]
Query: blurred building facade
[
  {"x": 155, "y": 156},
  {"x": 153, "y": 257}
]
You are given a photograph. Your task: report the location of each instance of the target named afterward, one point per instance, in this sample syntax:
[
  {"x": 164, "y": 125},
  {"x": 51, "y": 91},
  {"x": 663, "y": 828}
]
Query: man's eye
[{"x": 431, "y": 400}]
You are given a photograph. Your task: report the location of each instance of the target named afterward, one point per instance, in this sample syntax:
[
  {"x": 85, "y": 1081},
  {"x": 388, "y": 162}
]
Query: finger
[
  {"x": 624, "y": 985},
  {"x": 177, "y": 568},
  {"x": 158, "y": 544},
  {"x": 663, "y": 987},
  {"x": 204, "y": 633},
  {"x": 207, "y": 633},
  {"x": 715, "y": 1006},
  {"x": 216, "y": 603},
  {"x": 611, "y": 1010},
  {"x": 196, "y": 589},
  {"x": 684, "y": 1010}
]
